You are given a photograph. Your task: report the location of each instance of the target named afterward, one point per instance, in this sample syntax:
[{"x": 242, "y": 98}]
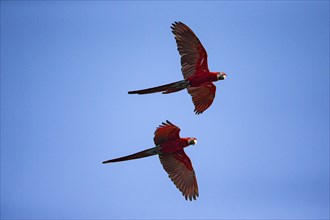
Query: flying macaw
[
  {"x": 197, "y": 77},
  {"x": 169, "y": 147}
]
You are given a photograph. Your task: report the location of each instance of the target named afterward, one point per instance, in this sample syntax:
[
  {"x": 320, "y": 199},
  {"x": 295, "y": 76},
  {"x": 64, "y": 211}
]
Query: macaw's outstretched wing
[
  {"x": 181, "y": 172},
  {"x": 193, "y": 54},
  {"x": 165, "y": 132},
  {"x": 202, "y": 96}
]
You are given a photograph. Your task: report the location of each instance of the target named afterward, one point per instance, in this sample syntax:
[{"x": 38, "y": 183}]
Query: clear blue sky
[{"x": 66, "y": 67}]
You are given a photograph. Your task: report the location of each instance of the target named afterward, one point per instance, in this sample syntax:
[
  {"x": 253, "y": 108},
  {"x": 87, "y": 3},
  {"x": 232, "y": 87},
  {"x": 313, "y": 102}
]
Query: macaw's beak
[
  {"x": 193, "y": 141},
  {"x": 222, "y": 76}
]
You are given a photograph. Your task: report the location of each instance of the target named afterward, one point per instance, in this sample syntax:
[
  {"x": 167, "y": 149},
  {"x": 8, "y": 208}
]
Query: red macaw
[
  {"x": 197, "y": 77},
  {"x": 169, "y": 147}
]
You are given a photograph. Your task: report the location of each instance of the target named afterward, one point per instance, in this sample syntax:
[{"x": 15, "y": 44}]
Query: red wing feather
[
  {"x": 180, "y": 170},
  {"x": 193, "y": 54},
  {"x": 166, "y": 131},
  {"x": 202, "y": 96}
]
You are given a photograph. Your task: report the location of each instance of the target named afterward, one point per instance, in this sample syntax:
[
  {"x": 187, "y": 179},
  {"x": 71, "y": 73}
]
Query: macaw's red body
[
  {"x": 169, "y": 147},
  {"x": 197, "y": 77}
]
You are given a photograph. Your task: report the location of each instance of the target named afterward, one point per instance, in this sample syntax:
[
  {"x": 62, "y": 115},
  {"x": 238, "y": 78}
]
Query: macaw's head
[
  {"x": 192, "y": 141},
  {"x": 221, "y": 75}
]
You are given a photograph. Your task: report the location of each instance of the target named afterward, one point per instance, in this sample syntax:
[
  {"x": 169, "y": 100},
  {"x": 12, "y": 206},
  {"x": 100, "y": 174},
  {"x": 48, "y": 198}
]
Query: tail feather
[
  {"x": 165, "y": 89},
  {"x": 141, "y": 154}
]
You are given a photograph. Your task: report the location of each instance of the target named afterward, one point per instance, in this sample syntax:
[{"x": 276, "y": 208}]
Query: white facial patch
[
  {"x": 224, "y": 76},
  {"x": 195, "y": 142}
]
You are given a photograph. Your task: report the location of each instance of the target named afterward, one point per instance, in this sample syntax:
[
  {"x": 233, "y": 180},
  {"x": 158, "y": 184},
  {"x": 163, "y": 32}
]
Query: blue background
[{"x": 66, "y": 67}]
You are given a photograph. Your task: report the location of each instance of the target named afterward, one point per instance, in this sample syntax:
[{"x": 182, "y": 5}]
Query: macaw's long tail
[
  {"x": 141, "y": 154},
  {"x": 165, "y": 89}
]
